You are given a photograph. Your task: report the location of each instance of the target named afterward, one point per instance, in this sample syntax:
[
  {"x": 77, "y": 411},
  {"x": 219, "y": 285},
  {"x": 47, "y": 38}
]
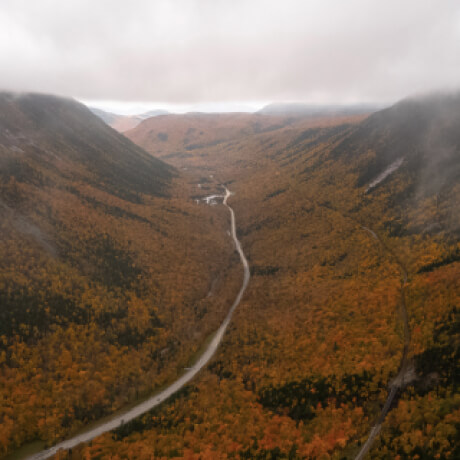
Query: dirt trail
[{"x": 406, "y": 372}]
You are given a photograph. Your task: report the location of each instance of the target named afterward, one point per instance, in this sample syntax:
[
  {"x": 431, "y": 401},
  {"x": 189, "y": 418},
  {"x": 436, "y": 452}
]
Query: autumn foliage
[{"x": 306, "y": 364}]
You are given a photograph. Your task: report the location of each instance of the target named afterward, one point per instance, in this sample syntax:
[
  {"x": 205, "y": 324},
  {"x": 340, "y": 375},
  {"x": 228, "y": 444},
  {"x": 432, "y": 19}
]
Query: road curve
[{"x": 158, "y": 398}]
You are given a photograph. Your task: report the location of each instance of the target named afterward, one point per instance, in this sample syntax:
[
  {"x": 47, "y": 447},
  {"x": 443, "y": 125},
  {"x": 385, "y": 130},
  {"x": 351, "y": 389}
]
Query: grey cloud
[{"x": 203, "y": 51}]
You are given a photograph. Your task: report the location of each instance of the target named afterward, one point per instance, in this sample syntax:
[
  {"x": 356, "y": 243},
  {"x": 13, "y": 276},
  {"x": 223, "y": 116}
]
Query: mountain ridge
[{"x": 300, "y": 109}]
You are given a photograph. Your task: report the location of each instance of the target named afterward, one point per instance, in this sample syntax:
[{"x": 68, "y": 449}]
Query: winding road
[{"x": 162, "y": 396}]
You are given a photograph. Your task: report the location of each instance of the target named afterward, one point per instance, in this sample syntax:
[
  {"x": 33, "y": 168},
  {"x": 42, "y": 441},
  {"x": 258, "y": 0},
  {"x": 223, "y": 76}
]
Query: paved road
[{"x": 158, "y": 398}]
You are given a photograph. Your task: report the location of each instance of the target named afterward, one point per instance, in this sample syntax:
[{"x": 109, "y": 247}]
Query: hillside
[
  {"x": 354, "y": 295},
  {"x": 111, "y": 277}
]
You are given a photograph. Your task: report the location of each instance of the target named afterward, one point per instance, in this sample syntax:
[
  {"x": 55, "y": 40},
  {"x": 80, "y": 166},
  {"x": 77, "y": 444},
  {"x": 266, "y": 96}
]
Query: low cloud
[{"x": 188, "y": 52}]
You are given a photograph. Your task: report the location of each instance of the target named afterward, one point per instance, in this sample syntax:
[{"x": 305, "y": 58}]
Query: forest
[{"x": 105, "y": 280}]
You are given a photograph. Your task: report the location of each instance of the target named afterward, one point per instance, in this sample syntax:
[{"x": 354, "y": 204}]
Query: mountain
[
  {"x": 125, "y": 122},
  {"x": 311, "y": 110},
  {"x": 422, "y": 132},
  {"x": 107, "y": 271},
  {"x": 44, "y": 137},
  {"x": 152, "y": 113}
]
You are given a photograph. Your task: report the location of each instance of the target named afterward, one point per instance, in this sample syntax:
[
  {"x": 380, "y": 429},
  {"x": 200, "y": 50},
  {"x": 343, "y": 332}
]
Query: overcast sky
[{"x": 179, "y": 53}]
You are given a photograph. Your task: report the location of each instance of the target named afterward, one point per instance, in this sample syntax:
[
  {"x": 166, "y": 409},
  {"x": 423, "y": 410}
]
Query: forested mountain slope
[
  {"x": 64, "y": 134},
  {"x": 195, "y": 136},
  {"x": 111, "y": 276},
  {"x": 421, "y": 137},
  {"x": 351, "y": 231}
]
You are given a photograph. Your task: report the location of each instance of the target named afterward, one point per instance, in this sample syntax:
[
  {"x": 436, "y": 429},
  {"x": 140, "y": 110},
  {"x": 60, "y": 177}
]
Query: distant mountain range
[
  {"x": 125, "y": 122},
  {"x": 308, "y": 110}
]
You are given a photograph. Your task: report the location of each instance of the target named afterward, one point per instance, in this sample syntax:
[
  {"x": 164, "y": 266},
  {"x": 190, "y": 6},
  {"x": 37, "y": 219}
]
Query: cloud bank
[{"x": 189, "y": 52}]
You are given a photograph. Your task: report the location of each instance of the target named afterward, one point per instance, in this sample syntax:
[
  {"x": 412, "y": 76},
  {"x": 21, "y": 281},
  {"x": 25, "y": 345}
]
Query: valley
[
  {"x": 346, "y": 339},
  {"x": 229, "y": 230}
]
